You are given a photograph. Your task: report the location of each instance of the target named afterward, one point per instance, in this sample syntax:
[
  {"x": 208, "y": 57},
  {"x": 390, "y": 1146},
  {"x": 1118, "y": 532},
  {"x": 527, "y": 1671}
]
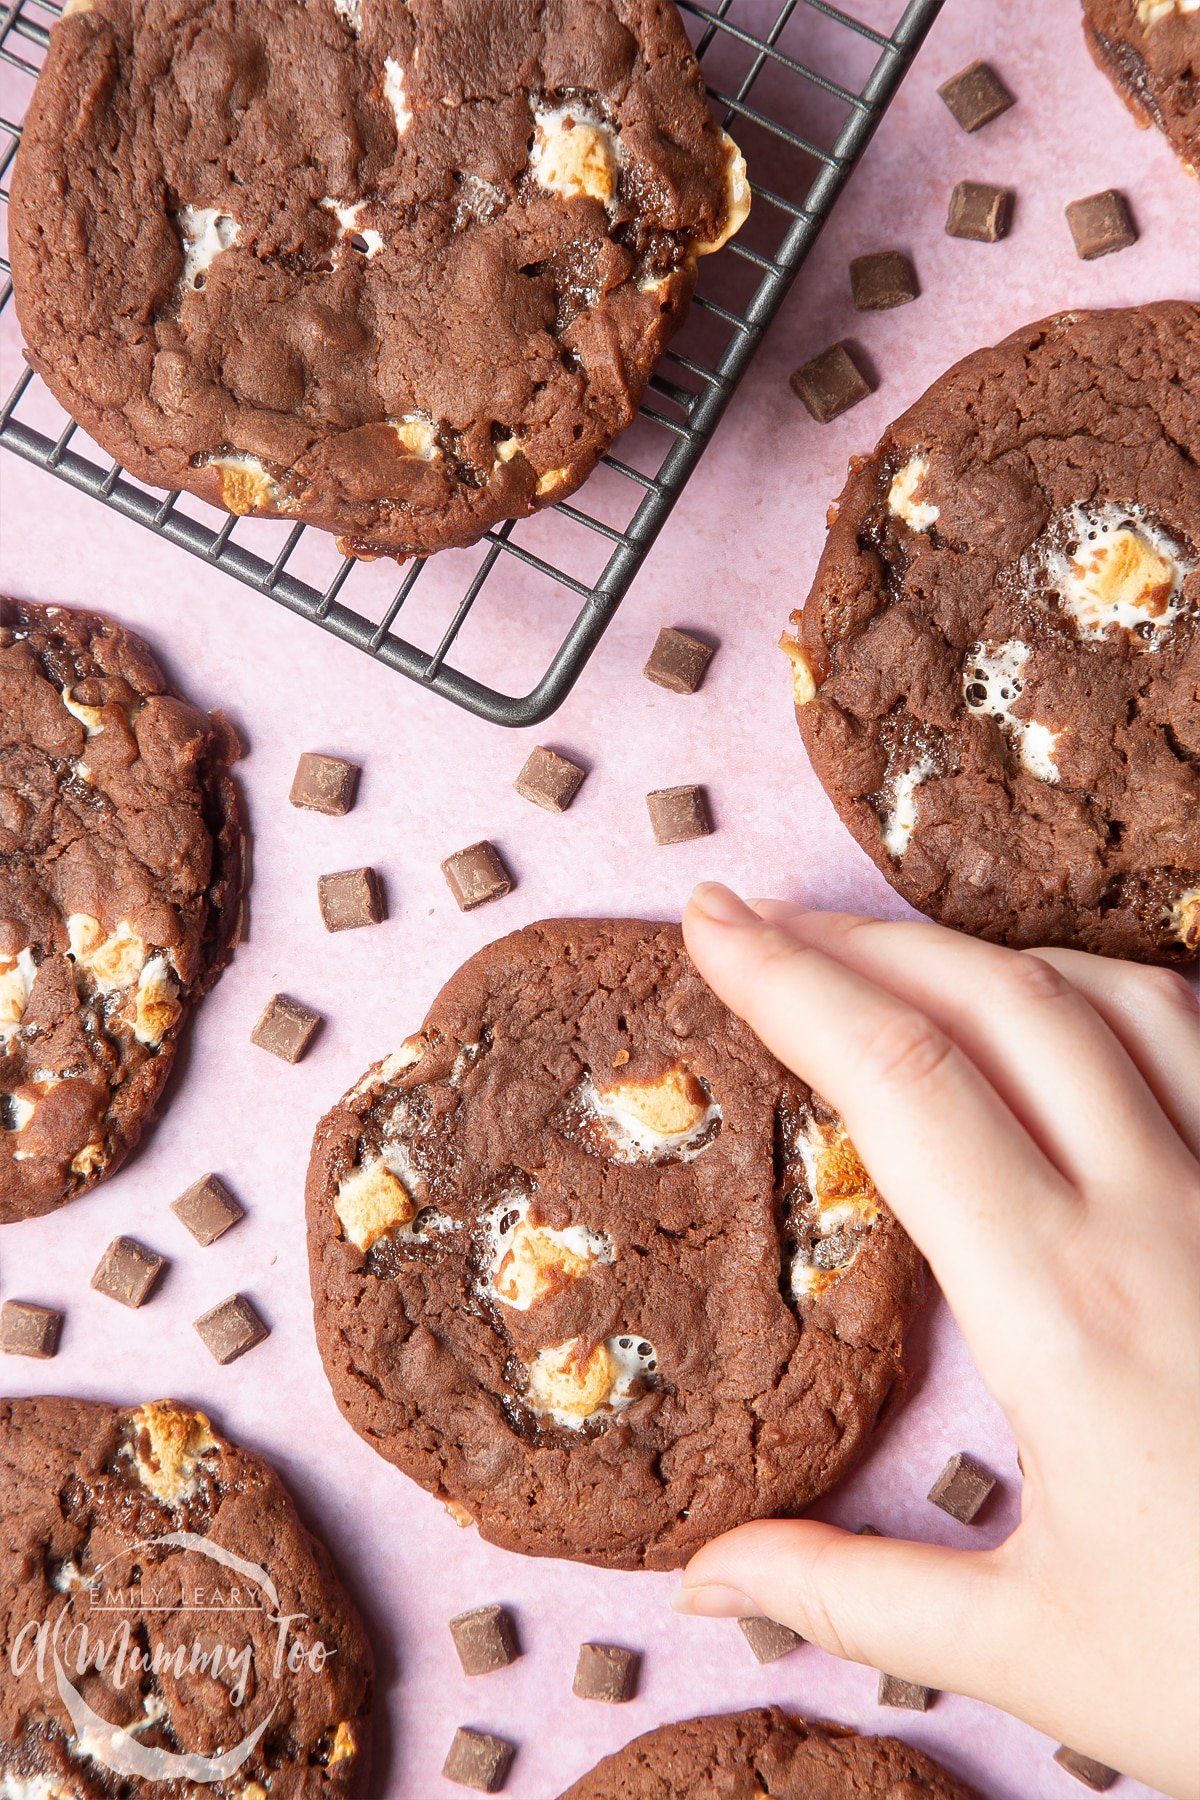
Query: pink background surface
[{"x": 736, "y": 556}]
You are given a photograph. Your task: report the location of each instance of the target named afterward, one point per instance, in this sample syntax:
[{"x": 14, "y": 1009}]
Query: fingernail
[
  {"x": 714, "y": 1602},
  {"x": 720, "y": 904}
]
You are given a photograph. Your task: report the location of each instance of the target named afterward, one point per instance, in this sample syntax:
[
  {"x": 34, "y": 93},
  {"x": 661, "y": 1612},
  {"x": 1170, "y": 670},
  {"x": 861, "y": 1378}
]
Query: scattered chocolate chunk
[
  {"x": 476, "y": 875},
  {"x": 910, "y": 1694},
  {"x": 605, "y": 1672},
  {"x": 768, "y": 1639},
  {"x": 1096, "y": 1775},
  {"x": 882, "y": 280},
  {"x": 351, "y": 898},
  {"x": 286, "y": 1028},
  {"x": 979, "y": 211},
  {"x": 128, "y": 1272},
  {"x": 678, "y": 660},
  {"x": 477, "y": 1760},
  {"x": 485, "y": 1639},
  {"x": 976, "y": 96},
  {"x": 549, "y": 780},
  {"x": 324, "y": 784},
  {"x": 830, "y": 384},
  {"x": 1101, "y": 224},
  {"x": 27, "y": 1329},
  {"x": 231, "y": 1328},
  {"x": 678, "y": 814},
  {"x": 962, "y": 1487},
  {"x": 208, "y": 1209}
]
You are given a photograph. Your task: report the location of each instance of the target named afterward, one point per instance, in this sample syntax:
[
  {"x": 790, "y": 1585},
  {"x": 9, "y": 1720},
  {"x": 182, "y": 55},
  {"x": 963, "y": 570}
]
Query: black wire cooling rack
[{"x": 802, "y": 86}]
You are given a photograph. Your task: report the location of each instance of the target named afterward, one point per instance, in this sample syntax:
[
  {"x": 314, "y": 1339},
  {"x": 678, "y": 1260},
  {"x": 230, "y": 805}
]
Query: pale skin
[{"x": 1033, "y": 1119}]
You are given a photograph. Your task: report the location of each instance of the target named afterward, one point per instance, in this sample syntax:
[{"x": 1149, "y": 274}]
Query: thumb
[{"x": 928, "y": 1615}]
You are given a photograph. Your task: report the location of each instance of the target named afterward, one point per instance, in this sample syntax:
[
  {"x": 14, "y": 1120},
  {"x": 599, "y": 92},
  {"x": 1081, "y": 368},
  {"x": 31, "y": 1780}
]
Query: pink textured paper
[{"x": 736, "y": 556}]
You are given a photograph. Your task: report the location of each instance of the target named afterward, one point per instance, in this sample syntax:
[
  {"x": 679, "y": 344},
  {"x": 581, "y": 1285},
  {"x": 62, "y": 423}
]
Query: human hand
[{"x": 1033, "y": 1119}]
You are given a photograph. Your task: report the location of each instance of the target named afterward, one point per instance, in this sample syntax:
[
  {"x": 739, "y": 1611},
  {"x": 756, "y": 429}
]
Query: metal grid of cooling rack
[{"x": 686, "y": 399}]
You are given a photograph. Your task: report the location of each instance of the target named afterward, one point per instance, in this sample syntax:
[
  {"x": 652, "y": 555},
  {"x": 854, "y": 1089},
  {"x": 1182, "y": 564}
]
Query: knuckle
[
  {"x": 1169, "y": 991},
  {"x": 906, "y": 1050},
  {"x": 1028, "y": 976}
]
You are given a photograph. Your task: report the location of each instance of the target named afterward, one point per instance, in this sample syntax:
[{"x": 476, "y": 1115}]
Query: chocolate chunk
[
  {"x": 351, "y": 898},
  {"x": 962, "y": 1487},
  {"x": 324, "y": 784},
  {"x": 476, "y": 875},
  {"x": 678, "y": 660},
  {"x": 549, "y": 780},
  {"x": 1101, "y": 224},
  {"x": 768, "y": 1639},
  {"x": 910, "y": 1694},
  {"x": 27, "y": 1329},
  {"x": 605, "y": 1672},
  {"x": 485, "y": 1639},
  {"x": 477, "y": 1760},
  {"x": 678, "y": 814},
  {"x": 830, "y": 384},
  {"x": 128, "y": 1272},
  {"x": 286, "y": 1028},
  {"x": 1096, "y": 1775},
  {"x": 976, "y": 96},
  {"x": 979, "y": 211},
  {"x": 231, "y": 1328},
  {"x": 882, "y": 280},
  {"x": 208, "y": 1209}
]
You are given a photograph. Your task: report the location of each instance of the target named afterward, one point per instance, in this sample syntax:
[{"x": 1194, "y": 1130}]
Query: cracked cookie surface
[
  {"x": 582, "y": 1241},
  {"x": 178, "y": 1561},
  {"x": 1150, "y": 51},
  {"x": 401, "y": 270},
  {"x": 120, "y": 893},
  {"x": 997, "y": 672}
]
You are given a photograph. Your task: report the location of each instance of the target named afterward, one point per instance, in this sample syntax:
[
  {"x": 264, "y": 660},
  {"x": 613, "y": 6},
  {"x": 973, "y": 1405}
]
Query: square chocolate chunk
[
  {"x": 324, "y": 784},
  {"x": 1095, "y": 1775},
  {"x": 1101, "y": 224},
  {"x": 830, "y": 384},
  {"x": 605, "y": 1672},
  {"x": 478, "y": 1760},
  {"x": 882, "y": 280},
  {"x": 351, "y": 898},
  {"x": 678, "y": 814},
  {"x": 678, "y": 660},
  {"x": 128, "y": 1272},
  {"x": 231, "y": 1328},
  {"x": 485, "y": 1639},
  {"x": 549, "y": 780},
  {"x": 768, "y": 1639},
  {"x": 979, "y": 211},
  {"x": 962, "y": 1487},
  {"x": 286, "y": 1028},
  {"x": 976, "y": 96},
  {"x": 27, "y": 1329},
  {"x": 476, "y": 875},
  {"x": 910, "y": 1694},
  {"x": 208, "y": 1209}
]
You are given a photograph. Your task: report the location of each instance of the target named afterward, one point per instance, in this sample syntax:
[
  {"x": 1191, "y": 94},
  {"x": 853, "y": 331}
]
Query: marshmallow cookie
[
  {"x": 120, "y": 893},
  {"x": 168, "y": 1619},
  {"x": 743, "y": 1756},
  {"x": 592, "y": 1267},
  {"x": 997, "y": 672},
  {"x": 1150, "y": 51},
  {"x": 399, "y": 268}
]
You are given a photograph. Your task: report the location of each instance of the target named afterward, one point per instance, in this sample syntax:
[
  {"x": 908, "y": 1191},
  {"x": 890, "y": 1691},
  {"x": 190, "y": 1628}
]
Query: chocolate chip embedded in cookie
[
  {"x": 766, "y": 1752},
  {"x": 1150, "y": 50},
  {"x": 582, "y": 1240},
  {"x": 120, "y": 893},
  {"x": 399, "y": 268},
  {"x": 142, "y": 1529},
  {"x": 996, "y": 672}
]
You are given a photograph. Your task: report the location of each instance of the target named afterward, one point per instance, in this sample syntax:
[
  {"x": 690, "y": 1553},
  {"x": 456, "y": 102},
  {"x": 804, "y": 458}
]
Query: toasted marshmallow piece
[
  {"x": 572, "y": 1391},
  {"x": 527, "y": 1261},
  {"x": 992, "y": 682},
  {"x": 648, "y": 1121},
  {"x": 168, "y": 1446},
  {"x": 1122, "y": 573},
  {"x": 903, "y": 504},
  {"x": 378, "y": 1198},
  {"x": 574, "y": 154}
]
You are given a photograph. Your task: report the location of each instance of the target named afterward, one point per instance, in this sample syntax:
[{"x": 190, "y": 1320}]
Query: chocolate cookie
[
  {"x": 591, "y": 1266},
  {"x": 744, "y": 1756},
  {"x": 170, "y": 1625},
  {"x": 120, "y": 893},
  {"x": 997, "y": 673},
  {"x": 1150, "y": 51},
  {"x": 400, "y": 268}
]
